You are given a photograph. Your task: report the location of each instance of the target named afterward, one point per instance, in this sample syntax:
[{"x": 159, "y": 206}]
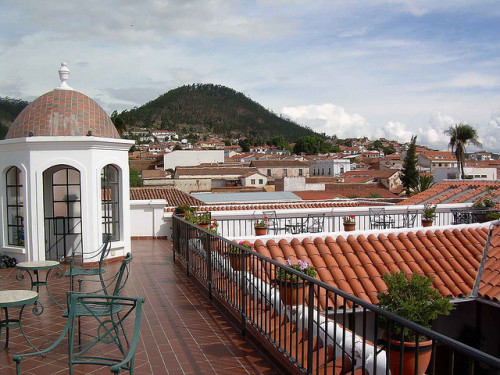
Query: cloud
[{"x": 330, "y": 119}]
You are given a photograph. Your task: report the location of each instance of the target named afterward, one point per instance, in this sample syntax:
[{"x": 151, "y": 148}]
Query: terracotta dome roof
[{"x": 62, "y": 113}]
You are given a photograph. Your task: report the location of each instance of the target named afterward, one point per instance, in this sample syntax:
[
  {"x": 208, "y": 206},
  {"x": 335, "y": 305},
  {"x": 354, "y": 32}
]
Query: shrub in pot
[
  {"x": 414, "y": 299},
  {"x": 428, "y": 214}
]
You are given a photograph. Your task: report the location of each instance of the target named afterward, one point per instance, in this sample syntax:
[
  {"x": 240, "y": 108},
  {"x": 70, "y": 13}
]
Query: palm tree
[
  {"x": 424, "y": 182},
  {"x": 460, "y": 136}
]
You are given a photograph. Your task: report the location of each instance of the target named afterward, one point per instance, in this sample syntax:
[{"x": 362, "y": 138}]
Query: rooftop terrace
[{"x": 181, "y": 331}]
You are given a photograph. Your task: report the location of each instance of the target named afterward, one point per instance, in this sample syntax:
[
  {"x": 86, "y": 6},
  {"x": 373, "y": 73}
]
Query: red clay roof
[
  {"x": 454, "y": 192},
  {"x": 489, "y": 286},
  {"x": 62, "y": 113},
  {"x": 356, "y": 263},
  {"x": 173, "y": 196},
  {"x": 270, "y": 206},
  {"x": 364, "y": 190}
]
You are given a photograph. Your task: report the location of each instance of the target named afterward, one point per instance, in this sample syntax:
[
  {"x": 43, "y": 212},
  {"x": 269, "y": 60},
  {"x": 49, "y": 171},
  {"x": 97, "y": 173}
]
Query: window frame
[
  {"x": 111, "y": 208},
  {"x": 17, "y": 207}
]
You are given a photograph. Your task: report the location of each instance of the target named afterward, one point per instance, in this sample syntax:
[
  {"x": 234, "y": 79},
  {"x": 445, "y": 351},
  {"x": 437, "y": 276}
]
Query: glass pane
[
  {"x": 74, "y": 193},
  {"x": 60, "y": 193},
  {"x": 60, "y": 209},
  {"x": 75, "y": 226},
  {"x": 59, "y": 177},
  {"x": 73, "y": 177},
  {"x": 13, "y": 176},
  {"x": 74, "y": 209},
  {"x": 11, "y": 196}
]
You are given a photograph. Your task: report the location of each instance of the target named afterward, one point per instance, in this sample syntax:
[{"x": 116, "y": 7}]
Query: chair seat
[{"x": 84, "y": 272}]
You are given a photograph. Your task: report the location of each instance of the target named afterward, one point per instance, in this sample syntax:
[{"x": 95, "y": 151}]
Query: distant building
[
  {"x": 185, "y": 158},
  {"x": 429, "y": 160},
  {"x": 329, "y": 167},
  {"x": 278, "y": 169}
]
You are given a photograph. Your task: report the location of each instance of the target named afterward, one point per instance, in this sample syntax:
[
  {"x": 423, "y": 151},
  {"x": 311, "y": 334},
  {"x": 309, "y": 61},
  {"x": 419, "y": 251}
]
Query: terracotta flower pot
[
  {"x": 204, "y": 225},
  {"x": 409, "y": 357},
  {"x": 348, "y": 227},
  {"x": 426, "y": 223},
  {"x": 292, "y": 292},
  {"x": 260, "y": 231}
]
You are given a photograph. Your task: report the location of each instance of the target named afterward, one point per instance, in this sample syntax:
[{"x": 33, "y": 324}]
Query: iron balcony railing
[
  {"x": 330, "y": 222},
  {"x": 326, "y": 330}
]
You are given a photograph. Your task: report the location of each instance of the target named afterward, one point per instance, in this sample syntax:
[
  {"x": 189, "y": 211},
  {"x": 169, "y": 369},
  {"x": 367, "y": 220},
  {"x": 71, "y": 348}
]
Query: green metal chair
[
  {"x": 75, "y": 270},
  {"x": 111, "y": 286},
  {"x": 106, "y": 346}
]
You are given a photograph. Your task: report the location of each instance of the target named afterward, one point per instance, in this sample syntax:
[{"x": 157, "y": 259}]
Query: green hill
[
  {"x": 9, "y": 109},
  {"x": 212, "y": 108}
]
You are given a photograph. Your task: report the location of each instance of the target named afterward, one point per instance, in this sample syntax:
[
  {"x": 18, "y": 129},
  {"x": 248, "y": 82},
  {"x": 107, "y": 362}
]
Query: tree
[
  {"x": 460, "y": 136},
  {"x": 409, "y": 175},
  {"x": 424, "y": 182},
  {"x": 244, "y": 144},
  {"x": 118, "y": 122},
  {"x": 135, "y": 178},
  {"x": 311, "y": 145}
]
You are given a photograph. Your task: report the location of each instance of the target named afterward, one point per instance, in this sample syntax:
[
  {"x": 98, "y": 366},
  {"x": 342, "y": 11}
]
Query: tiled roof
[
  {"x": 62, "y": 113},
  {"x": 211, "y": 171},
  {"x": 363, "y": 190},
  {"x": 439, "y": 155},
  {"x": 279, "y": 164},
  {"x": 318, "y": 194},
  {"x": 489, "y": 286},
  {"x": 270, "y": 206},
  {"x": 384, "y": 173},
  {"x": 454, "y": 192},
  {"x": 356, "y": 263},
  {"x": 173, "y": 196},
  {"x": 153, "y": 173}
]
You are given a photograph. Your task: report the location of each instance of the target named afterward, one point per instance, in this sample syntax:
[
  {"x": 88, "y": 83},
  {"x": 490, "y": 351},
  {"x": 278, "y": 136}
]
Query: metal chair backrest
[
  {"x": 107, "y": 345},
  {"x": 102, "y": 252},
  {"x": 315, "y": 223},
  {"x": 409, "y": 219},
  {"x": 377, "y": 217},
  {"x": 272, "y": 220}
]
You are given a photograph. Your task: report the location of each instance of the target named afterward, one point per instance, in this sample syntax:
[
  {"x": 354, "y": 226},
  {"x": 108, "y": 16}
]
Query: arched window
[
  {"x": 110, "y": 198},
  {"x": 15, "y": 207}
]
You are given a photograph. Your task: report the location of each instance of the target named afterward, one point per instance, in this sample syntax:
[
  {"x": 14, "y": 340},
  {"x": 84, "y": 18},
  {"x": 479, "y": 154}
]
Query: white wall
[
  {"x": 186, "y": 158},
  {"x": 147, "y": 219},
  {"x": 299, "y": 184}
]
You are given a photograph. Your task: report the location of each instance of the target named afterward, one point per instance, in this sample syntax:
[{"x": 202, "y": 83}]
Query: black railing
[
  {"x": 326, "y": 330},
  {"x": 62, "y": 236},
  {"x": 289, "y": 224}
]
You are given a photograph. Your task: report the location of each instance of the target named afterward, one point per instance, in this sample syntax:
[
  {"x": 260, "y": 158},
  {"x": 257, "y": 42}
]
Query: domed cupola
[
  {"x": 63, "y": 112},
  {"x": 64, "y": 179}
]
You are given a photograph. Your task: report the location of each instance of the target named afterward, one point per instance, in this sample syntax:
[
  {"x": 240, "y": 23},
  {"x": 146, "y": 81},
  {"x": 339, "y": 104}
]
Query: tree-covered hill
[
  {"x": 9, "y": 109},
  {"x": 212, "y": 108}
]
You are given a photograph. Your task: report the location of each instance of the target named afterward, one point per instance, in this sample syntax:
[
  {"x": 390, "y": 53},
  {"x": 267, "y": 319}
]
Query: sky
[{"x": 375, "y": 68}]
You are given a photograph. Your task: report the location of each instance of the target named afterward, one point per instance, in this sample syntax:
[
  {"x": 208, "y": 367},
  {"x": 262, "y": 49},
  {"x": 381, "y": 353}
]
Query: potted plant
[
  {"x": 236, "y": 255},
  {"x": 261, "y": 226},
  {"x": 184, "y": 209},
  {"x": 428, "y": 214},
  {"x": 349, "y": 223},
  {"x": 482, "y": 206},
  {"x": 292, "y": 286},
  {"x": 414, "y": 299},
  {"x": 204, "y": 219}
]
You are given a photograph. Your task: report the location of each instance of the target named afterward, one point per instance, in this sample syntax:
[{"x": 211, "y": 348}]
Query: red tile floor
[{"x": 181, "y": 331}]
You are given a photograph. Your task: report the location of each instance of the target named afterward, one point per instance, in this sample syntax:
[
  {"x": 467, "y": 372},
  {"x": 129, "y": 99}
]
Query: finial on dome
[{"x": 63, "y": 75}]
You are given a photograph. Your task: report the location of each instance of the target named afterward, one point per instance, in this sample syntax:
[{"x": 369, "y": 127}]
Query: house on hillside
[
  {"x": 278, "y": 169},
  {"x": 429, "y": 160},
  {"x": 329, "y": 166},
  {"x": 388, "y": 178}
]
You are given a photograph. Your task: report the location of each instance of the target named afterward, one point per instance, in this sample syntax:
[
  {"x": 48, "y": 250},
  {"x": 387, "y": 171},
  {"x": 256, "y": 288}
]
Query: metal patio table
[
  {"x": 33, "y": 268},
  {"x": 13, "y": 298}
]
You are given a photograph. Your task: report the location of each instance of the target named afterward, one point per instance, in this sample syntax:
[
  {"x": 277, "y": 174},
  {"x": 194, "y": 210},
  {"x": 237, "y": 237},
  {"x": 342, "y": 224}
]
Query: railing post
[
  {"x": 209, "y": 266},
  {"x": 243, "y": 296},
  {"x": 310, "y": 341}
]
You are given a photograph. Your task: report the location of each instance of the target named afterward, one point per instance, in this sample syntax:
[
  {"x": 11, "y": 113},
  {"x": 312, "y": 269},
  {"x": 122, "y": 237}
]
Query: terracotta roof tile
[
  {"x": 356, "y": 264},
  {"x": 172, "y": 195}
]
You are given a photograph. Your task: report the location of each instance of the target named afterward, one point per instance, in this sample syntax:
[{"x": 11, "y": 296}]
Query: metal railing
[
  {"x": 326, "y": 330},
  {"x": 287, "y": 224}
]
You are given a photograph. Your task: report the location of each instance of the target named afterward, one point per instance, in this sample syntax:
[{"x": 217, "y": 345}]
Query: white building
[
  {"x": 329, "y": 167},
  {"x": 187, "y": 158},
  {"x": 64, "y": 179},
  {"x": 441, "y": 174}
]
